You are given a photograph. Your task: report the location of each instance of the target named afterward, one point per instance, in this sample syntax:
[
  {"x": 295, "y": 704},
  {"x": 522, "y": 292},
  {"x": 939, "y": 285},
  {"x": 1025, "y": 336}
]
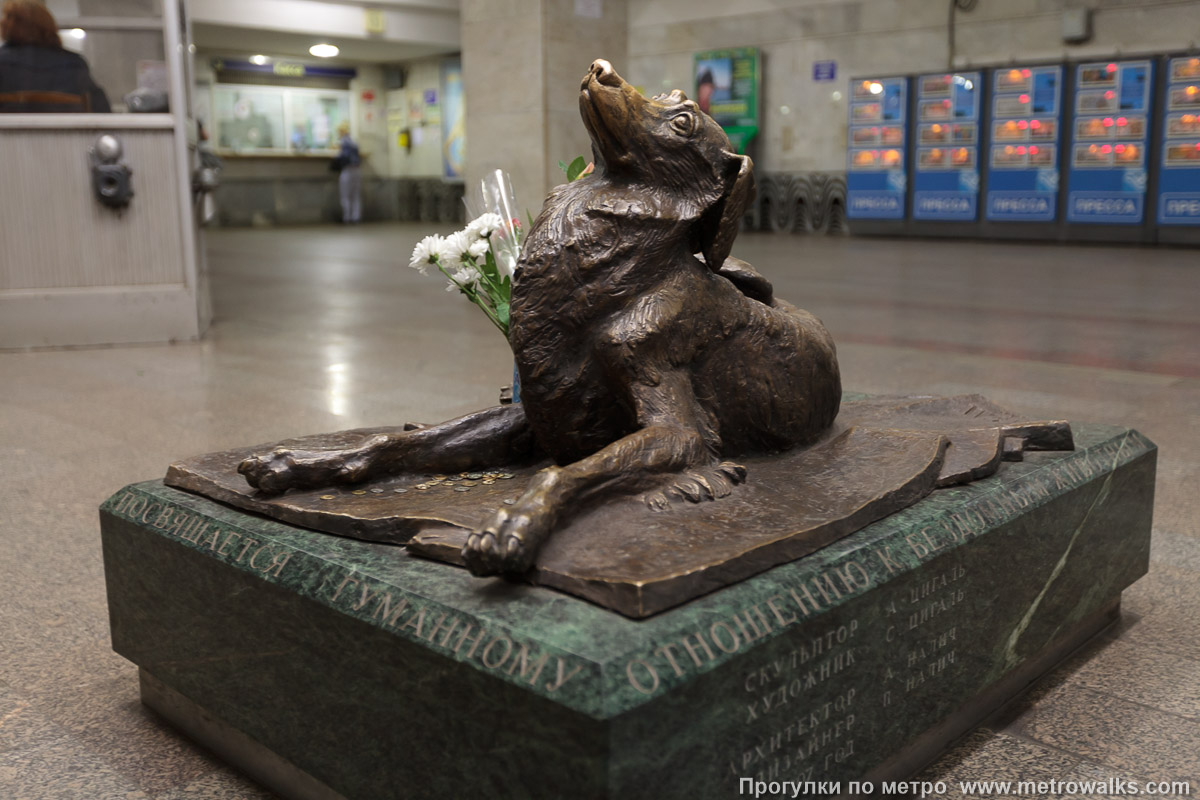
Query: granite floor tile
[
  {"x": 22, "y": 725},
  {"x": 1144, "y": 674},
  {"x": 107, "y": 719},
  {"x": 1175, "y": 550},
  {"x": 222, "y": 785},
  {"x": 1166, "y": 603},
  {"x": 50, "y": 650},
  {"x": 61, "y": 771},
  {"x": 1126, "y": 737},
  {"x": 1087, "y": 772},
  {"x": 324, "y": 328},
  {"x": 987, "y": 756}
]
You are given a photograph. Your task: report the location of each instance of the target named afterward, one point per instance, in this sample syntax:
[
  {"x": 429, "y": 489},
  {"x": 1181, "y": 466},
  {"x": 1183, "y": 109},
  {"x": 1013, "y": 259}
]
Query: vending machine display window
[
  {"x": 1022, "y": 164},
  {"x": 946, "y": 174},
  {"x": 1106, "y": 180},
  {"x": 876, "y": 180},
  {"x": 1179, "y": 175}
]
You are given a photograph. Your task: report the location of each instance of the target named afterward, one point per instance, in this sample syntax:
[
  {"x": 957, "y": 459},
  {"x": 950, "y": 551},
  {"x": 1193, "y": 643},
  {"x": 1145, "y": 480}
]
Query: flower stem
[{"x": 473, "y": 296}]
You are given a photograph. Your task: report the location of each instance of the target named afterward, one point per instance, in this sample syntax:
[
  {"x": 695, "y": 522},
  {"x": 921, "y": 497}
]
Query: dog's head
[{"x": 668, "y": 144}]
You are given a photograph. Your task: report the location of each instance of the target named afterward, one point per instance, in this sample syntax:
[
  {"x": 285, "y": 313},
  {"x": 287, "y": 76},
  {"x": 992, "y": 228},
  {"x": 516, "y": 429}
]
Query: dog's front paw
[
  {"x": 506, "y": 544},
  {"x": 283, "y": 468},
  {"x": 509, "y": 542}
]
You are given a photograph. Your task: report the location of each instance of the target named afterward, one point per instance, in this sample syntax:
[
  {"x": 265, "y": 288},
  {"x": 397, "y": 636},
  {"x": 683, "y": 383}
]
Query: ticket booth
[
  {"x": 877, "y": 156},
  {"x": 1021, "y": 185},
  {"x": 83, "y": 262},
  {"x": 1107, "y": 162},
  {"x": 946, "y": 169},
  {"x": 1178, "y": 164}
]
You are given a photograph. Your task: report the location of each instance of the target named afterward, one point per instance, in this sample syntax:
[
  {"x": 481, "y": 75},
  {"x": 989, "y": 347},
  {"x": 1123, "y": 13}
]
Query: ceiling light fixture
[
  {"x": 323, "y": 50},
  {"x": 259, "y": 60}
]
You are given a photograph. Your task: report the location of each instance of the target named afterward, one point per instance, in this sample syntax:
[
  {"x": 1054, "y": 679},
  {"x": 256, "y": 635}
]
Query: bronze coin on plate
[
  {"x": 422, "y": 485},
  {"x": 326, "y": 497},
  {"x": 488, "y": 481},
  {"x": 469, "y": 483},
  {"x": 359, "y": 491},
  {"x": 475, "y": 476}
]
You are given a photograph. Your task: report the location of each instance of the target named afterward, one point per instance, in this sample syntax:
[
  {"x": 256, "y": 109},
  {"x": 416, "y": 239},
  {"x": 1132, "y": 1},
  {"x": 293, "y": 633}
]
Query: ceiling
[{"x": 235, "y": 42}]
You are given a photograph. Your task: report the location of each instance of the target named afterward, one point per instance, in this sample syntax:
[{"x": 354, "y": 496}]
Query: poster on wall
[
  {"x": 727, "y": 89},
  {"x": 454, "y": 126}
]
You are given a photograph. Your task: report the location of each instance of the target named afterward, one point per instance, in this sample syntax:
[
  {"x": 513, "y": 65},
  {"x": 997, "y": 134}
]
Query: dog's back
[{"x": 764, "y": 374}]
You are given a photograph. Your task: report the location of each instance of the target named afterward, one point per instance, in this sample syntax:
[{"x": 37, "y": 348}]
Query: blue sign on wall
[
  {"x": 1023, "y": 156},
  {"x": 876, "y": 180},
  {"x": 1106, "y": 180},
  {"x": 284, "y": 69},
  {"x": 824, "y": 70},
  {"x": 946, "y": 175},
  {"x": 1179, "y": 176}
]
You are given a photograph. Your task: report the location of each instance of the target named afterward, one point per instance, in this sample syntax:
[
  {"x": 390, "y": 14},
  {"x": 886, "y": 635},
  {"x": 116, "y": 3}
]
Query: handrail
[{"x": 87, "y": 121}]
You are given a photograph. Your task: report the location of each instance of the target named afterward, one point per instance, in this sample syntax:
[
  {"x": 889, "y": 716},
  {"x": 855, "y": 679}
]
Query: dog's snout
[{"x": 603, "y": 73}]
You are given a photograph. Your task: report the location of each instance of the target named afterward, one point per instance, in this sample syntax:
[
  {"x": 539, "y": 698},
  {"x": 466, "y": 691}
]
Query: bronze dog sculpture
[{"x": 646, "y": 355}]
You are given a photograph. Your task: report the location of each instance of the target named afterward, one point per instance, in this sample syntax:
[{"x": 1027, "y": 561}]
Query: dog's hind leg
[
  {"x": 670, "y": 441},
  {"x": 485, "y": 438}
]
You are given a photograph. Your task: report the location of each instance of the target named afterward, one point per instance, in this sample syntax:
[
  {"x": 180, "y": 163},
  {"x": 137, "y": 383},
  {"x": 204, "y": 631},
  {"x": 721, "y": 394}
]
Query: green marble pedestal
[{"x": 329, "y": 667}]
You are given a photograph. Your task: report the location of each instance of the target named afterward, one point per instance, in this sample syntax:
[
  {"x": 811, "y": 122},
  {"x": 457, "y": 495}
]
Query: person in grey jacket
[{"x": 36, "y": 73}]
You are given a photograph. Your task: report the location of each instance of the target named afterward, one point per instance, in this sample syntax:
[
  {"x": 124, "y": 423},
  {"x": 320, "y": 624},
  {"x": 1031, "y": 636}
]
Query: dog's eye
[{"x": 683, "y": 124}]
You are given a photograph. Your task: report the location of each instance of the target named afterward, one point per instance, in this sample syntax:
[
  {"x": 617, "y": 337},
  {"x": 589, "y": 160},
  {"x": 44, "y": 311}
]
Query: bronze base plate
[{"x": 882, "y": 455}]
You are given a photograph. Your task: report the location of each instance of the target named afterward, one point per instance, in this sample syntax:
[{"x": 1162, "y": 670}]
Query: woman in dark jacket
[{"x": 36, "y": 73}]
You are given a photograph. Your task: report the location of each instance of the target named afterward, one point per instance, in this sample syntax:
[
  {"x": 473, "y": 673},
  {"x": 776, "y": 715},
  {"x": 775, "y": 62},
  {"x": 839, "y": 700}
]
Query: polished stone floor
[{"x": 324, "y": 328}]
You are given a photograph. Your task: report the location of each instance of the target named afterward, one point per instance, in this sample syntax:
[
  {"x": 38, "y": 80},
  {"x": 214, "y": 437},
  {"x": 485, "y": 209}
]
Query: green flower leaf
[{"x": 577, "y": 167}]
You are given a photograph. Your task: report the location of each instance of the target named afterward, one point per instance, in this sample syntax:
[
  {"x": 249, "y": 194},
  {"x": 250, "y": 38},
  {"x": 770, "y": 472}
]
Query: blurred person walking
[
  {"x": 36, "y": 73},
  {"x": 350, "y": 178}
]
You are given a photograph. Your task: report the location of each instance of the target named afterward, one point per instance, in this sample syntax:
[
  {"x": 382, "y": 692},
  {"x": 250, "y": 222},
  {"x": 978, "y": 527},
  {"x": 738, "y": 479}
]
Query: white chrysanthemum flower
[
  {"x": 452, "y": 249},
  {"x": 463, "y": 277},
  {"x": 426, "y": 253},
  {"x": 478, "y": 249},
  {"x": 485, "y": 225},
  {"x": 462, "y": 239}
]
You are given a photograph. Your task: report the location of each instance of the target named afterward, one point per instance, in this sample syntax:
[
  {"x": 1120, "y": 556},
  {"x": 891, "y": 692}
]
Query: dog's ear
[{"x": 718, "y": 227}]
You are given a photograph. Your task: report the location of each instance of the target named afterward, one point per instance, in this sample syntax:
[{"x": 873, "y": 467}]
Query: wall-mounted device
[
  {"x": 111, "y": 180},
  {"x": 1076, "y": 25}
]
